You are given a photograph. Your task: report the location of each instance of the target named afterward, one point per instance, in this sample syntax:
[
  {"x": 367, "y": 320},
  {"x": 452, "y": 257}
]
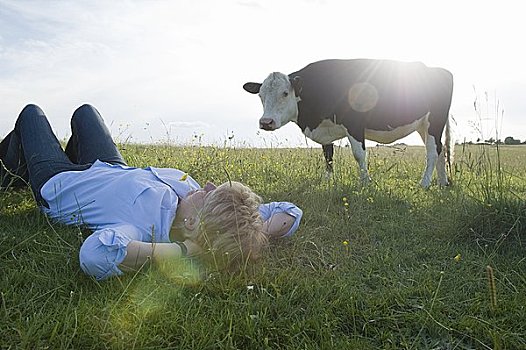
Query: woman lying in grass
[{"x": 135, "y": 214}]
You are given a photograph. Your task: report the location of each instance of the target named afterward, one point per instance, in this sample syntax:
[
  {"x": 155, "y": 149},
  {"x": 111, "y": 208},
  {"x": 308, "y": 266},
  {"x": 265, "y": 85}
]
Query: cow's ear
[
  {"x": 253, "y": 88},
  {"x": 297, "y": 84}
]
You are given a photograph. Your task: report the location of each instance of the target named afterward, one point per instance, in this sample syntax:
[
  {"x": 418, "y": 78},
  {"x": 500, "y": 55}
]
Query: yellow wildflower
[{"x": 346, "y": 245}]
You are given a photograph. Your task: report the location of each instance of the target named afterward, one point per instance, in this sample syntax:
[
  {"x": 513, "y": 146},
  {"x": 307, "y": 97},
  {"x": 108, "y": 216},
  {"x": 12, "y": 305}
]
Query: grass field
[{"x": 387, "y": 266}]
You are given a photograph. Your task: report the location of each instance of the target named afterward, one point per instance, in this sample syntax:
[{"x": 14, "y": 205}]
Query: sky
[{"x": 172, "y": 71}]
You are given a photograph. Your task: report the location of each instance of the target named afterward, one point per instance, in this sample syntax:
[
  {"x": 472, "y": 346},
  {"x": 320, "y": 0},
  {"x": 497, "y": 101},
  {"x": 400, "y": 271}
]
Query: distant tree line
[
  {"x": 511, "y": 141},
  {"x": 491, "y": 141}
]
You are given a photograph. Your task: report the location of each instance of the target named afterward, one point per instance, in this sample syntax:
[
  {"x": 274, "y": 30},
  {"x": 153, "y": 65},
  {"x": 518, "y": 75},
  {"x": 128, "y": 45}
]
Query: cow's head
[{"x": 280, "y": 96}]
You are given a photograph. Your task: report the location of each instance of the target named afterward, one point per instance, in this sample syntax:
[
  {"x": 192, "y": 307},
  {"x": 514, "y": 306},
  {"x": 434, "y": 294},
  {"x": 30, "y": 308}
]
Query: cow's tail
[{"x": 449, "y": 148}]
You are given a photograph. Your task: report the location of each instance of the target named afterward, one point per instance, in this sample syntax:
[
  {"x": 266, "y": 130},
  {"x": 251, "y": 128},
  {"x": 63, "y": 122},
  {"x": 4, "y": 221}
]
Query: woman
[{"x": 135, "y": 214}]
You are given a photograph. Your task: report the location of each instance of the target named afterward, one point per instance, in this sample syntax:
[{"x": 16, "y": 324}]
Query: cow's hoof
[
  {"x": 443, "y": 184},
  {"x": 365, "y": 180},
  {"x": 425, "y": 184}
]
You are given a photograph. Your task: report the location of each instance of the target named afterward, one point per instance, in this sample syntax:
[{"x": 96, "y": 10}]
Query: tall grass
[{"x": 388, "y": 265}]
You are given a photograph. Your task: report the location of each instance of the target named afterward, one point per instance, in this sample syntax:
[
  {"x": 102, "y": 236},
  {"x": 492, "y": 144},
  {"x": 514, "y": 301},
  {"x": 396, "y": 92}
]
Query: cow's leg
[
  {"x": 438, "y": 121},
  {"x": 436, "y": 128},
  {"x": 436, "y": 152},
  {"x": 431, "y": 158},
  {"x": 328, "y": 151},
  {"x": 360, "y": 154},
  {"x": 441, "y": 169}
]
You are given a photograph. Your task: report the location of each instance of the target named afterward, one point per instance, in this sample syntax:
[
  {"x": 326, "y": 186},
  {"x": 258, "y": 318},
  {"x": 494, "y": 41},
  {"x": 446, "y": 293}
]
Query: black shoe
[
  {"x": 3, "y": 172},
  {"x": 9, "y": 181},
  {"x": 6, "y": 179}
]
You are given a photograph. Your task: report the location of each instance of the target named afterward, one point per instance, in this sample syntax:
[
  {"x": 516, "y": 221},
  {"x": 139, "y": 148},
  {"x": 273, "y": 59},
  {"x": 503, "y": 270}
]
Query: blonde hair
[{"x": 231, "y": 228}]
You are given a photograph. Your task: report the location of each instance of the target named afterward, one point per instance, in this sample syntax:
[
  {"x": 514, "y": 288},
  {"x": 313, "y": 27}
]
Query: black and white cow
[{"x": 378, "y": 100}]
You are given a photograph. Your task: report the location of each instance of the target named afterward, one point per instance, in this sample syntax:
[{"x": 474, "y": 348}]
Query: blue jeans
[{"x": 32, "y": 152}]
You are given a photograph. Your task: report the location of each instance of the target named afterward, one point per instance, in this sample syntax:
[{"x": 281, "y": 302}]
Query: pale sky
[{"x": 169, "y": 70}]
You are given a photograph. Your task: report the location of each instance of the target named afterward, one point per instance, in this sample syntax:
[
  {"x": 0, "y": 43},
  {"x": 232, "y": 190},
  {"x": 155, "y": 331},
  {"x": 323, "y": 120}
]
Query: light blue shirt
[{"x": 121, "y": 204}]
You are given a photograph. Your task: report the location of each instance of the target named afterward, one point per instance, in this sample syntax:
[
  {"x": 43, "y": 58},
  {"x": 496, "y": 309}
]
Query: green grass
[{"x": 396, "y": 285}]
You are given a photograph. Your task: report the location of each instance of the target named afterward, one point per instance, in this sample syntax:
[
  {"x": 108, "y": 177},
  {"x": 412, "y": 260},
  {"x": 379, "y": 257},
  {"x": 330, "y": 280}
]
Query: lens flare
[
  {"x": 150, "y": 295},
  {"x": 362, "y": 97}
]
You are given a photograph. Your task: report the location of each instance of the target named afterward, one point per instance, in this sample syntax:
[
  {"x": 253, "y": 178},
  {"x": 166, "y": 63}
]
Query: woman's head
[{"x": 230, "y": 226}]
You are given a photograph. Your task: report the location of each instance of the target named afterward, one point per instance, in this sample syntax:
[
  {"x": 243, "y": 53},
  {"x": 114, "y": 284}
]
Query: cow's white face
[{"x": 280, "y": 103}]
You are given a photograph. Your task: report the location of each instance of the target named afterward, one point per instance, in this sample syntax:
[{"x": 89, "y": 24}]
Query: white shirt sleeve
[{"x": 105, "y": 249}]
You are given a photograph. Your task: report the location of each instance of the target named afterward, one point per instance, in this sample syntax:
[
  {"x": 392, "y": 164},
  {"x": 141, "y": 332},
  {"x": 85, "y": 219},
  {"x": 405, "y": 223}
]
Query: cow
[{"x": 378, "y": 100}]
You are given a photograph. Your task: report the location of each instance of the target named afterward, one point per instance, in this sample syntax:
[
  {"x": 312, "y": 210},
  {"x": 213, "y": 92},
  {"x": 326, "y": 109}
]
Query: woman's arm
[
  {"x": 109, "y": 251},
  {"x": 140, "y": 253}
]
